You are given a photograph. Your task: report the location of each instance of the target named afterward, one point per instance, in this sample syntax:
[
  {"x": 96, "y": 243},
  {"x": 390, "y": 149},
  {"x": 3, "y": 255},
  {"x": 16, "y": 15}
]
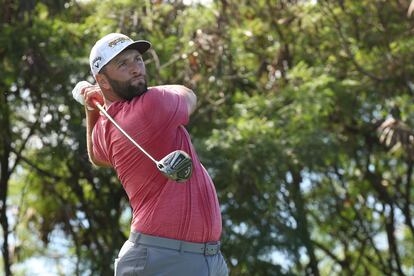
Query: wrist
[{"x": 89, "y": 108}]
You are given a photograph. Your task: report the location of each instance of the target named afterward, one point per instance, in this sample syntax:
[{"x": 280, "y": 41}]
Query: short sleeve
[
  {"x": 165, "y": 108},
  {"x": 98, "y": 140}
]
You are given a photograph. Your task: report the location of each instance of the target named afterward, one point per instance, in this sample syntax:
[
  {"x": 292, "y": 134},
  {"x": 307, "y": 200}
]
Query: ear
[{"x": 102, "y": 80}]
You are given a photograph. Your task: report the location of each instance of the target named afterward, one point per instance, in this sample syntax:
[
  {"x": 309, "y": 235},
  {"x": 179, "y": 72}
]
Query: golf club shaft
[{"x": 100, "y": 107}]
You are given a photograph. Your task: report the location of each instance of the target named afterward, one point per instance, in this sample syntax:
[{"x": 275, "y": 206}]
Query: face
[{"x": 126, "y": 75}]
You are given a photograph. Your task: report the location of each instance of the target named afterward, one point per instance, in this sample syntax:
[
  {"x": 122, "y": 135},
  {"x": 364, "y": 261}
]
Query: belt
[{"x": 208, "y": 249}]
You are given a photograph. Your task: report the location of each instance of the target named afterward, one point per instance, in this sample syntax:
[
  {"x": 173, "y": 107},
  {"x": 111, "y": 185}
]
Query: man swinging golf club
[{"x": 176, "y": 222}]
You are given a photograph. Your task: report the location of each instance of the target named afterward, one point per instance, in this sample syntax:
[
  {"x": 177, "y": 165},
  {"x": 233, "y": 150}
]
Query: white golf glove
[{"x": 76, "y": 92}]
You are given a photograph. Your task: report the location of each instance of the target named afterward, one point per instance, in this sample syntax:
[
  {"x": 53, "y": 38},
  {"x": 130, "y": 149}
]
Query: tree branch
[{"x": 346, "y": 46}]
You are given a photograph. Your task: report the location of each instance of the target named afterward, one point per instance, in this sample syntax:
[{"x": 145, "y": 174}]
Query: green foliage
[{"x": 291, "y": 95}]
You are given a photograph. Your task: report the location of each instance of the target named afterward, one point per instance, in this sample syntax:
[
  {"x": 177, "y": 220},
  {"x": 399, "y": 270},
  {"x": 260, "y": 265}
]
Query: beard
[{"x": 126, "y": 90}]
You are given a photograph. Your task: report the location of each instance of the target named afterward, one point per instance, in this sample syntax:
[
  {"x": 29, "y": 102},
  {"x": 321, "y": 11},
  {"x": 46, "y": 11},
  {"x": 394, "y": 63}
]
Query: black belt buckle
[{"x": 211, "y": 248}]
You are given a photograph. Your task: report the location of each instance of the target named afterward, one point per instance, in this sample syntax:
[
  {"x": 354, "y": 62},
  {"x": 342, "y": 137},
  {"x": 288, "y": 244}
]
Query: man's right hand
[
  {"x": 86, "y": 92},
  {"x": 92, "y": 94}
]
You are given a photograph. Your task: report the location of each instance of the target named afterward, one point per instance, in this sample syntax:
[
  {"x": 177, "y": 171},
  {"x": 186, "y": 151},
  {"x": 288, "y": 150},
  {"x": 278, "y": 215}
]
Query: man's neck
[
  {"x": 107, "y": 101},
  {"x": 110, "y": 97}
]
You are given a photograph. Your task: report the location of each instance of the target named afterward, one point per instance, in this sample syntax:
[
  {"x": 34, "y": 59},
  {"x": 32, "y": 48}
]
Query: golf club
[{"x": 176, "y": 165}]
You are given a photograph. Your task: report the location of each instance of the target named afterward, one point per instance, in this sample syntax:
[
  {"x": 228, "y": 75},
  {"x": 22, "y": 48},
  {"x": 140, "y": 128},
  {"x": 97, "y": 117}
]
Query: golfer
[{"x": 175, "y": 227}]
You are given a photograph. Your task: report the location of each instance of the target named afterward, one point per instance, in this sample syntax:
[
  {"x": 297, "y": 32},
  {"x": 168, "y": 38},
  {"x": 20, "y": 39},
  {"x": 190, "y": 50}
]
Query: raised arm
[
  {"x": 191, "y": 98},
  {"x": 92, "y": 114}
]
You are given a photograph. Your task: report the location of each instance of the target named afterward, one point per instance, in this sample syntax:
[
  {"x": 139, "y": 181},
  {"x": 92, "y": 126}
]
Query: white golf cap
[{"x": 108, "y": 47}]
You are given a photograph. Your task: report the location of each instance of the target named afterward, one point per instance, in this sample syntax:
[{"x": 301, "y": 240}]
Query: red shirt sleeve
[{"x": 165, "y": 108}]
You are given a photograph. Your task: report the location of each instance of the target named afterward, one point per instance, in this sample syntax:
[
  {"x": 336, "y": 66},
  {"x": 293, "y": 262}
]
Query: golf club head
[{"x": 177, "y": 166}]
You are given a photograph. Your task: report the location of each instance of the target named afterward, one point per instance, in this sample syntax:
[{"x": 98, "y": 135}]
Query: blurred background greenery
[{"x": 305, "y": 122}]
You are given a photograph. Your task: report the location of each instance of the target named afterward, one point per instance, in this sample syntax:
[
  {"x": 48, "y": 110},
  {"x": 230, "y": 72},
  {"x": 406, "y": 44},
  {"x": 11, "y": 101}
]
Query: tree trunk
[
  {"x": 302, "y": 227},
  {"x": 4, "y": 178}
]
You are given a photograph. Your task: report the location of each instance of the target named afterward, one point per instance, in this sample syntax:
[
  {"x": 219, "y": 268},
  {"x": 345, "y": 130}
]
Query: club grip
[{"x": 95, "y": 102}]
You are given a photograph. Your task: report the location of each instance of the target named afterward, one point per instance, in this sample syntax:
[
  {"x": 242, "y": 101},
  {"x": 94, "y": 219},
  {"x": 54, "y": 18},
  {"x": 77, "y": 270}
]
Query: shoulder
[
  {"x": 161, "y": 97},
  {"x": 157, "y": 94}
]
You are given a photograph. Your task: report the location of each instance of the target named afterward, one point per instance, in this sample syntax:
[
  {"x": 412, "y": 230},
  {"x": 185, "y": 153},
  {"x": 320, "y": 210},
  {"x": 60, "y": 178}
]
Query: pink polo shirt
[{"x": 161, "y": 207}]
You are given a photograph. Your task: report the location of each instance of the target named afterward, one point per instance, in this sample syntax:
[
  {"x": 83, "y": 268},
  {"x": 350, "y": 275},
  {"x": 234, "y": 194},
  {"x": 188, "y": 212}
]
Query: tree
[{"x": 304, "y": 121}]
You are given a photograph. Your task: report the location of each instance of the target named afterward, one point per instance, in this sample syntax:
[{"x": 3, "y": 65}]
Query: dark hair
[{"x": 103, "y": 70}]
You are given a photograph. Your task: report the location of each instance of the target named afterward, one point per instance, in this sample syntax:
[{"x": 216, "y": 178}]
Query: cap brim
[{"x": 140, "y": 45}]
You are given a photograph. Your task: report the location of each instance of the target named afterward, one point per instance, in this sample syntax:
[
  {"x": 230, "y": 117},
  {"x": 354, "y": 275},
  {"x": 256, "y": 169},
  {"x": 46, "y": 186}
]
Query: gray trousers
[{"x": 145, "y": 259}]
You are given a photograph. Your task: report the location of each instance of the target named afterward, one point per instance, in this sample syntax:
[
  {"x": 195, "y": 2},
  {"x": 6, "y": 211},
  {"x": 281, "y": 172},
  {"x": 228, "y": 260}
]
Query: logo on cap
[
  {"x": 114, "y": 42},
  {"x": 96, "y": 62}
]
